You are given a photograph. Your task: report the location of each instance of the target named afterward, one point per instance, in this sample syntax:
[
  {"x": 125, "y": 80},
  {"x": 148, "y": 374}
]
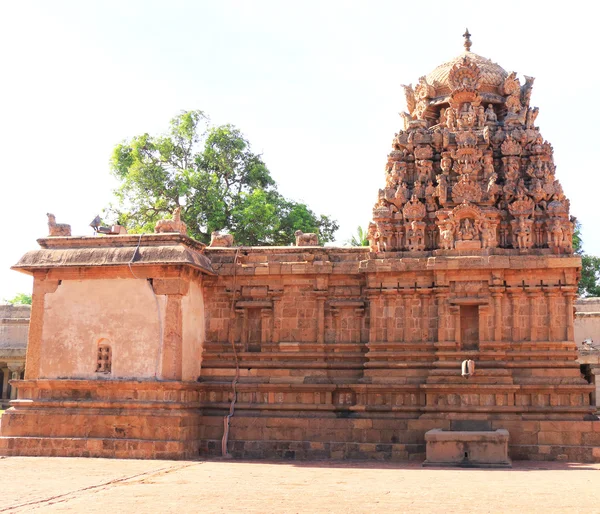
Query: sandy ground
[{"x": 102, "y": 485}]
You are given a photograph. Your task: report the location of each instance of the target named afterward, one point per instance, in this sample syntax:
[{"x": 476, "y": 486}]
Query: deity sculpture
[
  {"x": 467, "y": 231},
  {"x": 488, "y": 235},
  {"x": 490, "y": 115},
  {"x": 447, "y": 236}
]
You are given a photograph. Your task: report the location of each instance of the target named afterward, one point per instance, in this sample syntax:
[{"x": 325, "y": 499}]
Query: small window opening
[{"x": 104, "y": 363}]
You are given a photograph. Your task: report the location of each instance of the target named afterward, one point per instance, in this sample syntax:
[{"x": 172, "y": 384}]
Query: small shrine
[{"x": 457, "y": 317}]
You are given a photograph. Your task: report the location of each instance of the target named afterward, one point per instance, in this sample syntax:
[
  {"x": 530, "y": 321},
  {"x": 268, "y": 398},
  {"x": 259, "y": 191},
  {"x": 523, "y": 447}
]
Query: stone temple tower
[
  {"x": 470, "y": 170},
  {"x": 157, "y": 346}
]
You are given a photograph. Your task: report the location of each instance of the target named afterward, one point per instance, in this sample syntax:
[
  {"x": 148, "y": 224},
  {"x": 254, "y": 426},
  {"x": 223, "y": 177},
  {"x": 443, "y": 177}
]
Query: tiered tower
[{"x": 470, "y": 170}]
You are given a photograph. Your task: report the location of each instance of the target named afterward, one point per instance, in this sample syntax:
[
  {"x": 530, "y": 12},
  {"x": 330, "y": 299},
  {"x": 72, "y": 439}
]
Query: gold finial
[{"x": 467, "y": 37}]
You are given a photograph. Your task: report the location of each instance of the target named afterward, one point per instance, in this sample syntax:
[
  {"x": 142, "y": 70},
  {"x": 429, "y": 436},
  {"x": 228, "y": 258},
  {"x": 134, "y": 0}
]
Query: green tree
[
  {"x": 216, "y": 179},
  {"x": 20, "y": 299},
  {"x": 589, "y": 284},
  {"x": 359, "y": 238}
]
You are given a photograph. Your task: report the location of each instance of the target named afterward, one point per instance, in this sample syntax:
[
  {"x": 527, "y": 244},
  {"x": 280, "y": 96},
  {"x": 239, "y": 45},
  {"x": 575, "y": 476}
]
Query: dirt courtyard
[{"x": 104, "y": 485}]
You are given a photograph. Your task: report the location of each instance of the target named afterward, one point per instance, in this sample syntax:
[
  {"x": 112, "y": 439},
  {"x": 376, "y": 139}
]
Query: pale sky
[{"x": 314, "y": 85}]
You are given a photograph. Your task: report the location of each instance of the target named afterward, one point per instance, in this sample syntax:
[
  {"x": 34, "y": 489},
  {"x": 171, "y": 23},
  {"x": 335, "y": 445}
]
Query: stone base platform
[
  {"x": 467, "y": 449},
  {"x": 107, "y": 448},
  {"x": 92, "y": 418},
  {"x": 388, "y": 439}
]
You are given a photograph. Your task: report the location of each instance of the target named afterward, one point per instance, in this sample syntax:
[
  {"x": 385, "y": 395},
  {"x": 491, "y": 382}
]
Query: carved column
[
  {"x": 335, "y": 321},
  {"x": 441, "y": 300},
  {"x": 551, "y": 295},
  {"x": 390, "y": 318},
  {"x": 321, "y": 318},
  {"x": 514, "y": 299},
  {"x": 425, "y": 315},
  {"x": 5, "y": 379},
  {"x": 265, "y": 326},
  {"x": 483, "y": 322},
  {"x": 497, "y": 295},
  {"x": 533, "y": 294},
  {"x": 407, "y": 331},
  {"x": 569, "y": 294},
  {"x": 15, "y": 370},
  {"x": 455, "y": 311},
  {"x": 275, "y": 335},
  {"x": 374, "y": 301}
]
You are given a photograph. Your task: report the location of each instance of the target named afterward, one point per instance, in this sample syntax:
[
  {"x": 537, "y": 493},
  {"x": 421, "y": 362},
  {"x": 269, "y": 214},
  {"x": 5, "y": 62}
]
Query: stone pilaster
[
  {"x": 569, "y": 293},
  {"x": 275, "y": 335},
  {"x": 390, "y": 318},
  {"x": 483, "y": 322},
  {"x": 266, "y": 318},
  {"x": 533, "y": 295},
  {"x": 407, "y": 332},
  {"x": 424, "y": 317},
  {"x": 515, "y": 299},
  {"x": 374, "y": 307},
  {"x": 442, "y": 317},
  {"x": 321, "y": 318},
  {"x": 551, "y": 295},
  {"x": 41, "y": 287},
  {"x": 455, "y": 311},
  {"x": 172, "y": 348},
  {"x": 497, "y": 293}
]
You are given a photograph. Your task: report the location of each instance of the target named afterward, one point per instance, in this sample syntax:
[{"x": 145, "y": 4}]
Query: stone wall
[
  {"x": 335, "y": 352},
  {"x": 14, "y": 331}
]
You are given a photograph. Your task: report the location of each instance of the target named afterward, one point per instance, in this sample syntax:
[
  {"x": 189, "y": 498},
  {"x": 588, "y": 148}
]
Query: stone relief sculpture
[
  {"x": 220, "y": 240},
  {"x": 57, "y": 229},
  {"x": 308, "y": 239},
  {"x": 173, "y": 225},
  {"x": 470, "y": 141}
]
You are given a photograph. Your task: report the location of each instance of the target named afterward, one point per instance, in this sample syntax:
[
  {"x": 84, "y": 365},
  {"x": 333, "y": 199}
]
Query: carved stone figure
[
  {"x": 220, "y": 240},
  {"x": 488, "y": 235},
  {"x": 57, "y": 229},
  {"x": 467, "y": 231},
  {"x": 372, "y": 236},
  {"x": 490, "y": 115},
  {"x": 415, "y": 235},
  {"x": 556, "y": 232},
  {"x": 447, "y": 236},
  {"x": 450, "y": 115},
  {"x": 480, "y": 116},
  {"x": 173, "y": 225},
  {"x": 308, "y": 239},
  {"x": 522, "y": 233}
]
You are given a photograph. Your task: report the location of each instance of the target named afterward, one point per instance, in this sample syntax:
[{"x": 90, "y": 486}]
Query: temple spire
[{"x": 468, "y": 43}]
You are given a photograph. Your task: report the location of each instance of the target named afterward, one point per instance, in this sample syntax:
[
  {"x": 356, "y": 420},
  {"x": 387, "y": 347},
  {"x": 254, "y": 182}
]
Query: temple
[{"x": 155, "y": 346}]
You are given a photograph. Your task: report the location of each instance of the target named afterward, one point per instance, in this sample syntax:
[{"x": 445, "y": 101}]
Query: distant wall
[
  {"x": 14, "y": 329},
  {"x": 587, "y": 320}
]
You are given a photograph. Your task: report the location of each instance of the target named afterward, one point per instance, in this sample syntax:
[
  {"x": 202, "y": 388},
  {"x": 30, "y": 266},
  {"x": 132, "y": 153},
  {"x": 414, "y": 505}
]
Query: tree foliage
[
  {"x": 216, "y": 179},
  {"x": 20, "y": 299},
  {"x": 359, "y": 238},
  {"x": 589, "y": 284}
]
